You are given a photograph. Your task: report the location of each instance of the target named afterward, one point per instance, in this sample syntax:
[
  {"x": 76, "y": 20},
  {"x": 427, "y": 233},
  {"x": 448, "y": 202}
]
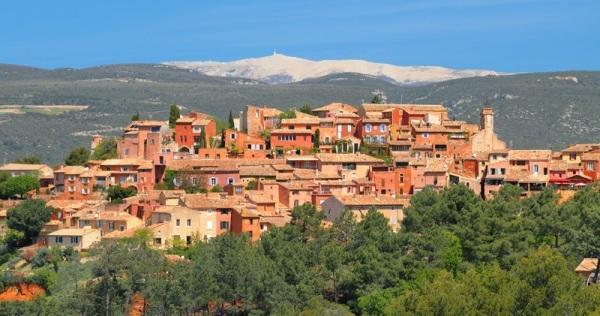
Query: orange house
[
  {"x": 188, "y": 130},
  {"x": 288, "y": 139},
  {"x": 142, "y": 139},
  {"x": 135, "y": 173},
  {"x": 245, "y": 221},
  {"x": 239, "y": 143}
]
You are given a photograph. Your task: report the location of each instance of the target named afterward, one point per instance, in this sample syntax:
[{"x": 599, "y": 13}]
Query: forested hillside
[
  {"x": 454, "y": 255},
  {"x": 533, "y": 110}
]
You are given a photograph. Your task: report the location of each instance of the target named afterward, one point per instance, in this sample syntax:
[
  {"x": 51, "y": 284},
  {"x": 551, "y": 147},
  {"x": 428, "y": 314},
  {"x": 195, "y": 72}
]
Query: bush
[{"x": 117, "y": 193}]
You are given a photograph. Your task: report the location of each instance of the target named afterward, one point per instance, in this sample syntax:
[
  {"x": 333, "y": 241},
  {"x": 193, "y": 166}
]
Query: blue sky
[{"x": 504, "y": 35}]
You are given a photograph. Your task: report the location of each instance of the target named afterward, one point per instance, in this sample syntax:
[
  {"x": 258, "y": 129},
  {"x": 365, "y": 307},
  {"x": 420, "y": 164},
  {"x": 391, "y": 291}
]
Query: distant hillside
[{"x": 533, "y": 110}]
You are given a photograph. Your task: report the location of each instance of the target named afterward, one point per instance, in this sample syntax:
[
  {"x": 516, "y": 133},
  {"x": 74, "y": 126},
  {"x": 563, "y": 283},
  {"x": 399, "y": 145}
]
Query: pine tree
[
  {"x": 174, "y": 114},
  {"x": 135, "y": 117},
  {"x": 230, "y": 120}
]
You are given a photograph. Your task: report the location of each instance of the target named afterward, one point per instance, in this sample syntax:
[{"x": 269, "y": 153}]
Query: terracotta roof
[
  {"x": 72, "y": 232},
  {"x": 587, "y": 265},
  {"x": 436, "y": 165},
  {"x": 301, "y": 158},
  {"x": 291, "y": 131},
  {"x": 256, "y": 171},
  {"x": 71, "y": 170},
  {"x": 371, "y": 200},
  {"x": 591, "y": 156},
  {"x": 347, "y": 158},
  {"x": 560, "y": 165},
  {"x": 373, "y": 107},
  {"x": 149, "y": 123},
  {"x": 581, "y": 148},
  {"x": 202, "y": 201},
  {"x": 141, "y": 163},
  {"x": 271, "y": 111},
  {"x": 335, "y": 107},
  {"x": 530, "y": 154},
  {"x": 376, "y": 120},
  {"x": 301, "y": 120}
]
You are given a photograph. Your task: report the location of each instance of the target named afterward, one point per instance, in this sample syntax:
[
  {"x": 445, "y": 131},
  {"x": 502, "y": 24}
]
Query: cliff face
[{"x": 22, "y": 292}]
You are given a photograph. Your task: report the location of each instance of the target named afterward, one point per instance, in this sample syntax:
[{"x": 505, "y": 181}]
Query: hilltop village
[{"x": 184, "y": 180}]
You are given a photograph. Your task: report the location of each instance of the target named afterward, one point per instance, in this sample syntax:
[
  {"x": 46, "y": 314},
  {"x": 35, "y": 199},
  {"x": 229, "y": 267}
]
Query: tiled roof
[
  {"x": 436, "y": 165},
  {"x": 581, "y": 148},
  {"x": 335, "y": 107},
  {"x": 291, "y": 131},
  {"x": 72, "y": 170},
  {"x": 347, "y": 158},
  {"x": 72, "y": 232},
  {"x": 532, "y": 154},
  {"x": 371, "y": 200},
  {"x": 587, "y": 265},
  {"x": 202, "y": 201},
  {"x": 257, "y": 171}
]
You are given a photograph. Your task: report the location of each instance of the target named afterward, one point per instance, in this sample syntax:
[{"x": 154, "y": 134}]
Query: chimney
[{"x": 487, "y": 119}]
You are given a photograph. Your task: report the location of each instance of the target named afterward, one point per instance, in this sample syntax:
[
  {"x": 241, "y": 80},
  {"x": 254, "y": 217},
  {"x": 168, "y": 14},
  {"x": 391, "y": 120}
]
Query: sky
[{"x": 501, "y": 35}]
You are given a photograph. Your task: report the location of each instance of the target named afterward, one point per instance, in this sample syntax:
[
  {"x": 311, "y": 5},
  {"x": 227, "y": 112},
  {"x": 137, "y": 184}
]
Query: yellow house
[
  {"x": 169, "y": 223},
  {"x": 572, "y": 154}
]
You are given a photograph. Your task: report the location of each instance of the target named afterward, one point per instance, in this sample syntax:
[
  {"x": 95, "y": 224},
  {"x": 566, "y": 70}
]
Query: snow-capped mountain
[{"x": 279, "y": 68}]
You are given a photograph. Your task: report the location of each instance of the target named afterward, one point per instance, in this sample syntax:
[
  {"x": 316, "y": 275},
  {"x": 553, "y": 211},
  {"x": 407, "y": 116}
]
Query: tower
[{"x": 487, "y": 119}]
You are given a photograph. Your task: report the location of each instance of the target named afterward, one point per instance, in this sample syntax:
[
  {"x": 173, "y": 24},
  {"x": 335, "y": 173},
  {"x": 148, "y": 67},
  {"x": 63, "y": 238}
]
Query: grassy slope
[{"x": 532, "y": 110}]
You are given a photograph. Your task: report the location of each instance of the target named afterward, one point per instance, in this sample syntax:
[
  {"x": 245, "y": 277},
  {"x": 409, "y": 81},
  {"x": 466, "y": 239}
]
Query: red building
[
  {"x": 188, "y": 131},
  {"x": 291, "y": 139}
]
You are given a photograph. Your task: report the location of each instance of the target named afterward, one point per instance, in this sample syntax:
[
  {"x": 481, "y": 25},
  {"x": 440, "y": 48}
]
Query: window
[
  {"x": 111, "y": 226},
  {"x": 536, "y": 168},
  {"x": 425, "y": 135},
  {"x": 230, "y": 181},
  {"x": 189, "y": 222},
  {"x": 545, "y": 171},
  {"x": 502, "y": 171},
  {"x": 382, "y": 128},
  {"x": 349, "y": 128},
  {"x": 213, "y": 181},
  {"x": 122, "y": 227},
  {"x": 194, "y": 181},
  {"x": 590, "y": 165},
  {"x": 493, "y": 171},
  {"x": 368, "y": 128},
  {"x": 188, "y": 240},
  {"x": 232, "y": 135},
  {"x": 572, "y": 156},
  {"x": 348, "y": 166},
  {"x": 296, "y": 203},
  {"x": 58, "y": 239},
  {"x": 157, "y": 241},
  {"x": 224, "y": 225},
  {"x": 124, "y": 169},
  {"x": 177, "y": 222},
  {"x": 74, "y": 239}
]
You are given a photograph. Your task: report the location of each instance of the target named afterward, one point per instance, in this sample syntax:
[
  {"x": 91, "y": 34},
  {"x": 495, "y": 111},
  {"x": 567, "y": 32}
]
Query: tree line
[{"x": 455, "y": 254}]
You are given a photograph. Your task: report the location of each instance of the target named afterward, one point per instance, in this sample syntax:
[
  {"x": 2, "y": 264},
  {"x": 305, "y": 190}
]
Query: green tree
[
  {"x": 202, "y": 143},
  {"x": 78, "y": 157},
  {"x": 135, "y": 117},
  {"x": 19, "y": 185},
  {"x": 230, "y": 121},
  {"x": 29, "y": 217},
  {"x": 174, "y": 115},
  {"x": 106, "y": 149},
  {"x": 117, "y": 193},
  {"x": 305, "y": 108},
  {"x": 29, "y": 159},
  {"x": 315, "y": 139}
]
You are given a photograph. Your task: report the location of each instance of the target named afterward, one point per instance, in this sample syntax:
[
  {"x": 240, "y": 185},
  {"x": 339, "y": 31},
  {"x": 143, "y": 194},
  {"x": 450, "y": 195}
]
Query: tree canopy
[
  {"x": 106, "y": 149},
  {"x": 174, "y": 115},
  {"x": 28, "y": 217},
  {"x": 78, "y": 157}
]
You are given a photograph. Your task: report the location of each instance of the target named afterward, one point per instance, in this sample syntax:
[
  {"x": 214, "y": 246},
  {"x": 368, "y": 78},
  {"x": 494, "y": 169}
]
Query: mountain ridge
[{"x": 279, "y": 68}]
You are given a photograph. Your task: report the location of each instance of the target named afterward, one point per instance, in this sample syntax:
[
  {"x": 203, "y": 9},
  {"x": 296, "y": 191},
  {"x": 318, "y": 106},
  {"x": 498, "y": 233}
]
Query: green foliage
[
  {"x": 28, "y": 217},
  {"x": 29, "y": 159},
  {"x": 305, "y": 108},
  {"x": 78, "y": 157},
  {"x": 19, "y": 185},
  {"x": 202, "y": 143},
  {"x": 106, "y": 149},
  {"x": 230, "y": 121},
  {"x": 316, "y": 139},
  {"x": 174, "y": 115},
  {"x": 289, "y": 114},
  {"x": 216, "y": 188},
  {"x": 117, "y": 193},
  {"x": 251, "y": 185},
  {"x": 135, "y": 117}
]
